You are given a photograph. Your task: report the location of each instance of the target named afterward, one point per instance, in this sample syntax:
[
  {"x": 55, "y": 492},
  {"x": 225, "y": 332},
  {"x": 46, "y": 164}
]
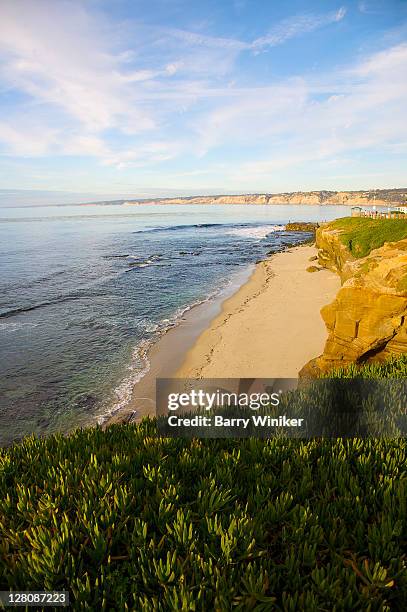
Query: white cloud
[
  {"x": 295, "y": 26},
  {"x": 62, "y": 59},
  {"x": 372, "y": 7},
  {"x": 27, "y": 140},
  {"x": 57, "y": 55},
  {"x": 151, "y": 94},
  {"x": 367, "y": 113},
  {"x": 203, "y": 40}
]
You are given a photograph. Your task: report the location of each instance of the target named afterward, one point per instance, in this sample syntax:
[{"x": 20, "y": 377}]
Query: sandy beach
[{"x": 270, "y": 327}]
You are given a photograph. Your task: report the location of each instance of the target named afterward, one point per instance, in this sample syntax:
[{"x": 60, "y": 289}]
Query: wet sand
[
  {"x": 168, "y": 353},
  {"x": 269, "y": 328}
]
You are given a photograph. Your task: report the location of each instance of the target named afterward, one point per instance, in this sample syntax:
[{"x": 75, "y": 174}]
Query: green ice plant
[{"x": 126, "y": 520}]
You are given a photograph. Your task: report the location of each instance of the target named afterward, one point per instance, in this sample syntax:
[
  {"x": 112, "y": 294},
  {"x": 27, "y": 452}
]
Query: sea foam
[{"x": 258, "y": 232}]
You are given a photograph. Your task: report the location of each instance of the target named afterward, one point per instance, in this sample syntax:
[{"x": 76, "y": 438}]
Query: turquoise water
[{"x": 85, "y": 289}]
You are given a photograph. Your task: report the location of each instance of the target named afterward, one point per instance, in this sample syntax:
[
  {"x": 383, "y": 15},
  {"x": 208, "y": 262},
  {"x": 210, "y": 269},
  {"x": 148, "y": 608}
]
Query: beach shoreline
[
  {"x": 267, "y": 325},
  {"x": 168, "y": 352}
]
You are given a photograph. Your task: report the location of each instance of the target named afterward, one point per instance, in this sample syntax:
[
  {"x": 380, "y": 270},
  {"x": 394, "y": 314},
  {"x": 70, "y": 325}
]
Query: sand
[
  {"x": 268, "y": 328},
  {"x": 168, "y": 353},
  {"x": 271, "y": 327}
]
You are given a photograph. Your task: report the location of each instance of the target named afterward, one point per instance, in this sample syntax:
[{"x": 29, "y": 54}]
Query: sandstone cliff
[
  {"x": 367, "y": 321},
  {"x": 380, "y": 197}
]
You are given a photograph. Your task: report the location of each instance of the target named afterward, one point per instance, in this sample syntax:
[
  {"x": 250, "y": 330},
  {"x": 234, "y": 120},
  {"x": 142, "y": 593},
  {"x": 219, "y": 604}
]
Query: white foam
[
  {"x": 256, "y": 232},
  {"x": 137, "y": 368},
  {"x": 12, "y": 326},
  {"x": 139, "y": 364}
]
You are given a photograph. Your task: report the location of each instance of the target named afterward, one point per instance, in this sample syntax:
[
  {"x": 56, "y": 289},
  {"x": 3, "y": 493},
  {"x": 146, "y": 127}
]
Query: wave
[
  {"x": 16, "y": 311},
  {"x": 234, "y": 228},
  {"x": 139, "y": 364},
  {"x": 59, "y": 300},
  {"x": 14, "y": 326},
  {"x": 172, "y": 228},
  {"x": 143, "y": 264},
  {"x": 35, "y": 281},
  {"x": 258, "y": 232},
  {"x": 138, "y": 367}
]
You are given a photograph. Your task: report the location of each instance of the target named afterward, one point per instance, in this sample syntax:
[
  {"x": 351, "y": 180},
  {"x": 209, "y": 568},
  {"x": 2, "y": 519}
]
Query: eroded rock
[{"x": 367, "y": 321}]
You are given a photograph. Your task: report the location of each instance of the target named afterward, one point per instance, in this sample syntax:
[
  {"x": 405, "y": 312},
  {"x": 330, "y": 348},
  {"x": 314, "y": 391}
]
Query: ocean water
[{"x": 84, "y": 290}]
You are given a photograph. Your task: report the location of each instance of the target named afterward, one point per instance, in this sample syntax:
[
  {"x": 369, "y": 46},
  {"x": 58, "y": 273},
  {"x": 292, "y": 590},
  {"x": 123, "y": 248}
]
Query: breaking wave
[{"x": 258, "y": 232}]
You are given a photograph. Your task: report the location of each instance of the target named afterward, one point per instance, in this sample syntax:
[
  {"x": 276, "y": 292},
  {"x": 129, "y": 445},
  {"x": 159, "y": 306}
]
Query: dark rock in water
[
  {"x": 313, "y": 258},
  {"x": 301, "y": 226},
  {"x": 286, "y": 245},
  {"x": 313, "y": 269},
  {"x": 43, "y": 422},
  {"x": 115, "y": 256},
  {"x": 142, "y": 264},
  {"x": 86, "y": 401}
]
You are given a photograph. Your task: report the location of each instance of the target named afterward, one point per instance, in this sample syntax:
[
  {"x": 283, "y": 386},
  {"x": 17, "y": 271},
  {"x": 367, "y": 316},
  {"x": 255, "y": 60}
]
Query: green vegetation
[
  {"x": 396, "y": 367},
  {"x": 363, "y": 234},
  {"x": 127, "y": 520}
]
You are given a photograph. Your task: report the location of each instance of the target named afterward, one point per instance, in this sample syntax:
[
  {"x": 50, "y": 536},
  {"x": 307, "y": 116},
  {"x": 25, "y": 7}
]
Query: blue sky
[{"x": 169, "y": 96}]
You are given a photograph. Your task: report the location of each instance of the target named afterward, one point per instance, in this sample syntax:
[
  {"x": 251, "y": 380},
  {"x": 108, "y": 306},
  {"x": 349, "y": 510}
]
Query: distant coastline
[
  {"x": 323, "y": 197},
  {"x": 378, "y": 197}
]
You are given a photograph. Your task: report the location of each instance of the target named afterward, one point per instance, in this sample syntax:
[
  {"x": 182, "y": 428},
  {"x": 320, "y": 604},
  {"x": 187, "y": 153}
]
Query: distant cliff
[
  {"x": 367, "y": 321},
  {"x": 380, "y": 197}
]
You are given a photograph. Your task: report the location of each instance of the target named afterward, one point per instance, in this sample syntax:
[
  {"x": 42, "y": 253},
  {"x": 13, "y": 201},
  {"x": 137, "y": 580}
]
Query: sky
[{"x": 165, "y": 97}]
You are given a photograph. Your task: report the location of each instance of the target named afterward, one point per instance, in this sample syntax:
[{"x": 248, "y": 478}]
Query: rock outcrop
[
  {"x": 301, "y": 226},
  {"x": 368, "y": 319}
]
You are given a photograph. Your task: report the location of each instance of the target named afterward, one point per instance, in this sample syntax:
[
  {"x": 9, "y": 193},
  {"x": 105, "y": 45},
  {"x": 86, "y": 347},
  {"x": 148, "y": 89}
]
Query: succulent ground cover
[{"x": 125, "y": 519}]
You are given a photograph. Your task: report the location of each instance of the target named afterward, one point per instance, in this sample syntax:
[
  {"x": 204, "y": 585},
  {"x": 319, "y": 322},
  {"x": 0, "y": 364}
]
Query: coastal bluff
[
  {"x": 367, "y": 320},
  {"x": 379, "y": 197}
]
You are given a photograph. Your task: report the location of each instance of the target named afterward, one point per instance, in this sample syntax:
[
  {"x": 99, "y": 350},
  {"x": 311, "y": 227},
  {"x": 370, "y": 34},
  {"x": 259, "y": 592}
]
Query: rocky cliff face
[
  {"x": 389, "y": 197},
  {"x": 221, "y": 199},
  {"x": 368, "y": 319}
]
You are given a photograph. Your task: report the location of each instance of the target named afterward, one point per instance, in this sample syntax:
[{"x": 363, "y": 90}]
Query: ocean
[{"x": 84, "y": 290}]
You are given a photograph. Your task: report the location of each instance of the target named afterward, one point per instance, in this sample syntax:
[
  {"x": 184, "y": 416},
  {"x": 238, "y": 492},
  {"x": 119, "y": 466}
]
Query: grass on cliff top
[{"x": 362, "y": 234}]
